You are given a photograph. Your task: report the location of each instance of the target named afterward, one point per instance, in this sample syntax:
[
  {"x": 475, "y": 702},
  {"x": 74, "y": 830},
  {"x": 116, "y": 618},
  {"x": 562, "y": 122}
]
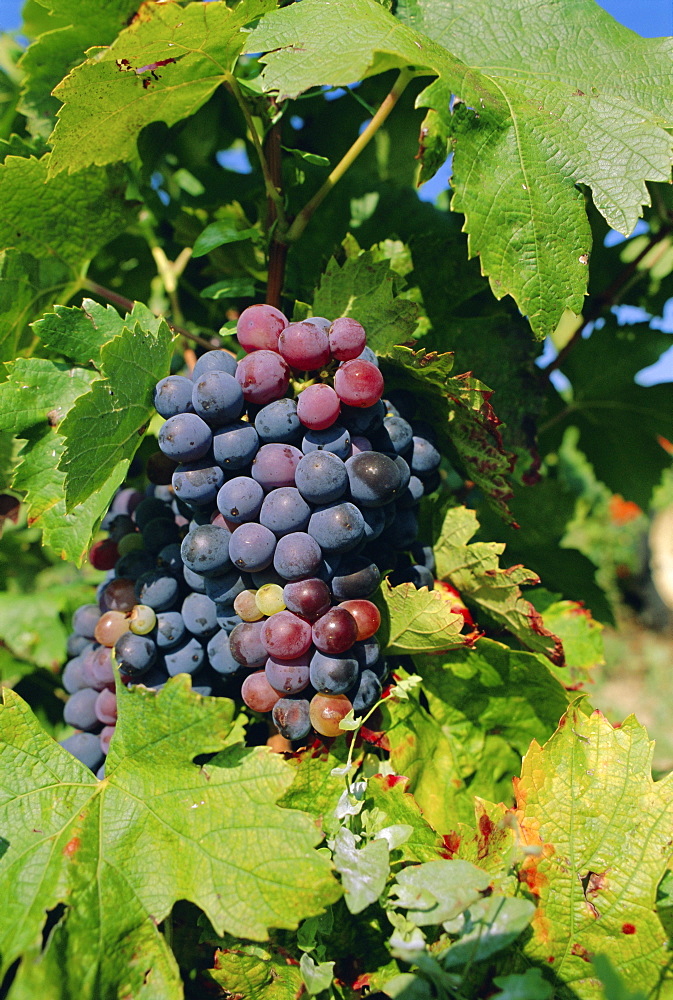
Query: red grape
[
  {"x": 327, "y": 711},
  {"x": 308, "y": 598},
  {"x": 335, "y": 631},
  {"x": 318, "y": 407},
  {"x": 263, "y": 376},
  {"x": 358, "y": 383},
  {"x": 304, "y": 346},
  {"x": 288, "y": 676},
  {"x": 259, "y": 327},
  {"x": 257, "y": 693},
  {"x": 367, "y": 617},
  {"x": 347, "y": 339},
  {"x": 286, "y": 636}
]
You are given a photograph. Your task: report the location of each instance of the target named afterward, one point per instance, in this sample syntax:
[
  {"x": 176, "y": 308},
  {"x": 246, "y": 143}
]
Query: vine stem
[
  {"x": 120, "y": 300},
  {"x": 607, "y": 298},
  {"x": 277, "y": 250},
  {"x": 272, "y": 191},
  {"x": 390, "y": 100}
]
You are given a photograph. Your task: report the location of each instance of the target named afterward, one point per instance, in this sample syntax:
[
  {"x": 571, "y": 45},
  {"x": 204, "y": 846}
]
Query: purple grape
[
  {"x": 304, "y": 346},
  {"x": 337, "y": 527},
  {"x": 173, "y": 395},
  {"x": 284, "y": 510},
  {"x": 356, "y": 578},
  {"x": 80, "y": 709},
  {"x": 291, "y": 718},
  {"x": 245, "y": 644},
  {"x": 309, "y": 598},
  {"x": 278, "y": 422},
  {"x": 333, "y": 674},
  {"x": 347, "y": 339},
  {"x": 240, "y": 500},
  {"x": 275, "y": 464},
  {"x": 205, "y": 550},
  {"x": 374, "y": 479},
  {"x": 86, "y": 748},
  {"x": 135, "y": 654},
  {"x": 185, "y": 437},
  {"x": 157, "y": 589},
  {"x": 424, "y": 458},
  {"x": 235, "y": 446},
  {"x": 251, "y": 547},
  {"x": 170, "y": 629},
  {"x": 288, "y": 676},
  {"x": 220, "y": 360},
  {"x": 217, "y": 398},
  {"x": 369, "y": 691},
  {"x": 199, "y": 614},
  {"x": 219, "y": 654},
  {"x": 198, "y": 482},
  {"x": 321, "y": 477},
  {"x": 335, "y": 439},
  {"x": 85, "y": 619},
  {"x": 185, "y": 659},
  {"x": 297, "y": 555}
]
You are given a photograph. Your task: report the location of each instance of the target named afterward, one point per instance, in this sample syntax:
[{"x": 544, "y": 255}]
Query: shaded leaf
[
  {"x": 528, "y": 985},
  {"x": 439, "y": 890},
  {"x": 494, "y": 924},
  {"x": 79, "y": 334},
  {"x": 364, "y": 870},
  {"x": 219, "y": 233}
]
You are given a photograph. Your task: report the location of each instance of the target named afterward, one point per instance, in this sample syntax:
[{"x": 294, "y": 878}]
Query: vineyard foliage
[{"x": 487, "y": 832}]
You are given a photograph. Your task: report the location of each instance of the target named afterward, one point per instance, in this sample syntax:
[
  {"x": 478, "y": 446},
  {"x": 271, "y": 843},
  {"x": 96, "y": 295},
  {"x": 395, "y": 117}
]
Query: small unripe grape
[
  {"x": 142, "y": 619},
  {"x": 246, "y": 606},
  {"x": 110, "y": 627},
  {"x": 130, "y": 543},
  {"x": 327, "y": 711},
  {"x": 269, "y": 599}
]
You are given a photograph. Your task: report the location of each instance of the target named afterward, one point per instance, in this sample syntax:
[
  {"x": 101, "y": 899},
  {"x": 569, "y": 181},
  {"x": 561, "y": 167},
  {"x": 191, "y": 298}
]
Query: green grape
[
  {"x": 269, "y": 599},
  {"x": 246, "y": 606},
  {"x": 143, "y": 619}
]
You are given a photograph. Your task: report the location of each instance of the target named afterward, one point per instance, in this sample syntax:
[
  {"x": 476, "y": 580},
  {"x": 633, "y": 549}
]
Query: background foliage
[{"x": 485, "y": 833}]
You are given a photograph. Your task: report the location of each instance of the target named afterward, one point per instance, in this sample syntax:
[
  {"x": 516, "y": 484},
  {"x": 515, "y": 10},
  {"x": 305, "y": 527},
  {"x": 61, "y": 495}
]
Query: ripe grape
[
  {"x": 105, "y": 707},
  {"x": 80, "y": 709},
  {"x": 275, "y": 465},
  {"x": 205, "y": 550},
  {"x": 374, "y": 479},
  {"x": 219, "y": 654},
  {"x": 219, "y": 360},
  {"x": 335, "y": 439},
  {"x": 308, "y": 598},
  {"x": 367, "y": 617},
  {"x": 85, "y": 619},
  {"x": 424, "y": 458},
  {"x": 235, "y": 445},
  {"x": 291, "y": 718},
  {"x": 86, "y": 748},
  {"x": 278, "y": 422},
  {"x": 263, "y": 377},
  {"x": 158, "y": 589},
  {"x": 288, "y": 676},
  {"x": 321, "y": 477},
  {"x": 285, "y": 636},
  {"x": 199, "y": 615},
  {"x": 173, "y": 395},
  {"x": 334, "y": 673},
  {"x": 368, "y": 692},
  {"x": 252, "y": 546},
  {"x": 337, "y": 527},
  {"x": 198, "y": 482},
  {"x": 186, "y": 658},
  {"x": 245, "y": 644},
  {"x": 358, "y": 383},
  {"x": 327, "y": 711},
  {"x": 304, "y": 346},
  {"x": 335, "y": 631},
  {"x": 347, "y": 339},
  {"x": 318, "y": 407},
  {"x": 117, "y": 595},
  {"x": 284, "y": 510},
  {"x": 134, "y": 654},
  {"x": 297, "y": 554},
  {"x": 240, "y": 499},
  {"x": 259, "y": 328},
  {"x": 185, "y": 437},
  {"x": 257, "y": 693},
  {"x": 356, "y": 579}
]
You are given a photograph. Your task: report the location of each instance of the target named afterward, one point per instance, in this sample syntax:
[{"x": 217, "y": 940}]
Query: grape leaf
[
  {"x": 254, "y": 973},
  {"x": 66, "y": 218},
  {"x": 580, "y": 633},
  {"x": 620, "y": 423},
  {"x": 33, "y": 401},
  {"x": 103, "y": 429},
  {"x": 31, "y": 625},
  {"x": 388, "y": 795},
  {"x": 417, "y": 620},
  {"x": 535, "y": 121},
  {"x": 79, "y": 334},
  {"x": 368, "y": 290},
  {"x": 439, "y": 890},
  {"x": 364, "y": 869},
  {"x": 459, "y": 407},
  {"x": 315, "y": 789},
  {"x": 67, "y": 31},
  {"x": 601, "y": 826},
  {"x": 27, "y": 286},
  {"x": 474, "y": 571},
  {"x": 119, "y": 852},
  {"x": 163, "y": 67}
]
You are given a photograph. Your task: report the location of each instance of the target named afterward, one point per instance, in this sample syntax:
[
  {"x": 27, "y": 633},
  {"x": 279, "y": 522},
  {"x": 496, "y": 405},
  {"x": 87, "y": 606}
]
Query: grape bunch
[{"x": 285, "y": 486}]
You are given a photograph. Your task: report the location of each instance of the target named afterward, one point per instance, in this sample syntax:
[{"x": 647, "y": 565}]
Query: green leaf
[
  {"x": 439, "y": 890},
  {"x": 219, "y": 233},
  {"x": 33, "y": 402},
  {"x": 582, "y": 635},
  {"x": 31, "y": 624},
  {"x": 364, "y": 870},
  {"x": 528, "y": 985},
  {"x": 103, "y": 429},
  {"x": 316, "y": 977},
  {"x": 68, "y": 31},
  {"x": 475, "y": 571},
  {"x": 614, "y": 987},
  {"x": 459, "y": 407},
  {"x": 79, "y": 334},
  {"x": 86, "y": 843},
  {"x": 230, "y": 288},
  {"x": 368, "y": 290},
  {"x": 538, "y": 119},
  {"x": 388, "y": 795},
  {"x": 415, "y": 621},
  {"x": 255, "y": 973},
  {"x": 494, "y": 924},
  {"x": 587, "y": 797},
  {"x": 620, "y": 423},
  {"x": 163, "y": 67},
  {"x": 27, "y": 286},
  {"x": 66, "y": 218}
]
